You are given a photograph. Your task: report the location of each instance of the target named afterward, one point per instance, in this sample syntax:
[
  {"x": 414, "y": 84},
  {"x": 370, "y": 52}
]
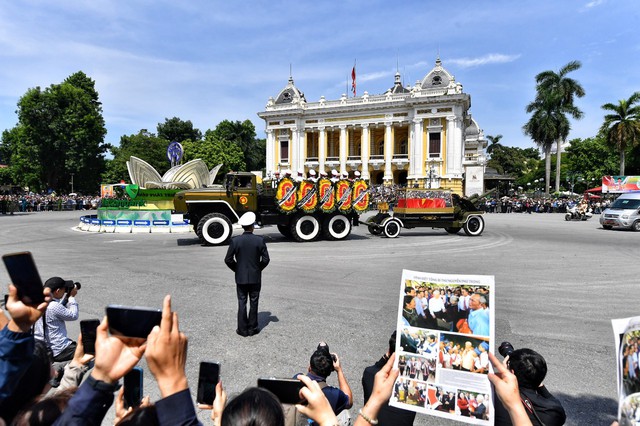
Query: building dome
[
  {"x": 437, "y": 78},
  {"x": 290, "y": 94}
]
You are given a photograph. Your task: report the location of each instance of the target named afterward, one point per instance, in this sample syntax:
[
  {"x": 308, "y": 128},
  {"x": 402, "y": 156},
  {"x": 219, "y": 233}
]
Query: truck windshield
[{"x": 625, "y": 204}]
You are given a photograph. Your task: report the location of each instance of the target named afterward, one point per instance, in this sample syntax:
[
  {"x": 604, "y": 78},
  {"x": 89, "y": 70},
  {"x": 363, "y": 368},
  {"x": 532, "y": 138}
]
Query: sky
[{"x": 207, "y": 61}]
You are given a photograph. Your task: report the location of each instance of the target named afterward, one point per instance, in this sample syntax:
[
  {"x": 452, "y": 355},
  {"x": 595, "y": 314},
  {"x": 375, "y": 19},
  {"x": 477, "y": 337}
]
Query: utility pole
[{"x": 72, "y": 191}]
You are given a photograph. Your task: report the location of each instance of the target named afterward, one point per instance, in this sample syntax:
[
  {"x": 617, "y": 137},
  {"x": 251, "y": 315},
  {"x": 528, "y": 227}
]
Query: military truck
[
  {"x": 429, "y": 208},
  {"x": 302, "y": 211}
]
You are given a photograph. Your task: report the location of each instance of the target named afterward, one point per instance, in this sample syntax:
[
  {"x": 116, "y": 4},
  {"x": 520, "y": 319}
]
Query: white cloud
[
  {"x": 593, "y": 3},
  {"x": 491, "y": 58}
]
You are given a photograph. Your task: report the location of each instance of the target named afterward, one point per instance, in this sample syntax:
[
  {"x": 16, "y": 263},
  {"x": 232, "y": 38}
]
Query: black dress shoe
[
  {"x": 243, "y": 334},
  {"x": 254, "y": 332}
]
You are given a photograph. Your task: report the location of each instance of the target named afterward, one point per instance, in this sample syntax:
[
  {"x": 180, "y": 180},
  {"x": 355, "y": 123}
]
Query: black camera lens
[
  {"x": 505, "y": 349},
  {"x": 78, "y": 285}
]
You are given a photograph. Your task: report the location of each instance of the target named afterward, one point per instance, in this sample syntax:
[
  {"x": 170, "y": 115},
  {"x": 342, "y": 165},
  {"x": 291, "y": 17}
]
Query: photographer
[
  {"x": 63, "y": 307},
  {"x": 530, "y": 369}
]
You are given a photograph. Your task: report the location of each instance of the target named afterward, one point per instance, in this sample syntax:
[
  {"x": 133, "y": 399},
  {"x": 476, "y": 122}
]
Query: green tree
[
  {"x": 243, "y": 134},
  {"x": 60, "y": 133},
  {"x": 175, "y": 129},
  {"x": 592, "y": 158},
  {"x": 495, "y": 142},
  {"x": 512, "y": 161},
  {"x": 544, "y": 126},
  {"x": 561, "y": 91},
  {"x": 622, "y": 127},
  {"x": 213, "y": 151},
  {"x": 144, "y": 145}
]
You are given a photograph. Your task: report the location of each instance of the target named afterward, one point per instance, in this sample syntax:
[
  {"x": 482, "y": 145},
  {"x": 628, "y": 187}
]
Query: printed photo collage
[
  {"x": 443, "y": 363},
  {"x": 627, "y": 333}
]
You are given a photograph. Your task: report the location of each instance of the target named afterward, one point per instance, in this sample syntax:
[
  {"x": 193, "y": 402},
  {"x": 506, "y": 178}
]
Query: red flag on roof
[{"x": 353, "y": 80}]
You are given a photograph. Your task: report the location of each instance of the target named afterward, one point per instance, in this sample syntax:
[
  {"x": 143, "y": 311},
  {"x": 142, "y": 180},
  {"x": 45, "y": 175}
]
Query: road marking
[{"x": 119, "y": 241}]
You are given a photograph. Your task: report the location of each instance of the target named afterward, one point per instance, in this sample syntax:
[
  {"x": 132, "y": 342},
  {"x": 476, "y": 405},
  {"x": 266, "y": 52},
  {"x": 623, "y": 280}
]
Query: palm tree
[
  {"x": 543, "y": 127},
  {"x": 495, "y": 142},
  {"x": 563, "y": 90},
  {"x": 622, "y": 128}
]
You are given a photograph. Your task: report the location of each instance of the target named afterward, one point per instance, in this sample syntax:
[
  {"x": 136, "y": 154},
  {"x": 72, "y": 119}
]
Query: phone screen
[
  {"x": 133, "y": 387},
  {"x": 88, "y": 330},
  {"x": 132, "y": 321},
  {"x": 207, "y": 380},
  {"x": 287, "y": 390},
  {"x": 24, "y": 275}
]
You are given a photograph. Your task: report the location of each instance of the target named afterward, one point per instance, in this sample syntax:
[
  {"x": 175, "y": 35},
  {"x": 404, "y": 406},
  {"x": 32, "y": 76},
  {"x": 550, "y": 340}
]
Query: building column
[
  {"x": 454, "y": 146},
  {"x": 301, "y": 148},
  {"x": 364, "y": 151},
  {"x": 343, "y": 148},
  {"x": 271, "y": 165},
  {"x": 416, "y": 170},
  {"x": 388, "y": 153},
  {"x": 322, "y": 149}
]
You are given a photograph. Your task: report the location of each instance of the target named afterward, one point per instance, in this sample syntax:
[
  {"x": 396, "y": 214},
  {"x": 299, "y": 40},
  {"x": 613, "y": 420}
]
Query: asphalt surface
[{"x": 558, "y": 285}]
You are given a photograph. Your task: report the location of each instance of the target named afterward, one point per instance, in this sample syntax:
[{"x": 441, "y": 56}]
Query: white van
[{"x": 623, "y": 213}]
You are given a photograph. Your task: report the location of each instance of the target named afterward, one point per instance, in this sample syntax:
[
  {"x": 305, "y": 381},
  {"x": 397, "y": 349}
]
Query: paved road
[{"x": 558, "y": 284}]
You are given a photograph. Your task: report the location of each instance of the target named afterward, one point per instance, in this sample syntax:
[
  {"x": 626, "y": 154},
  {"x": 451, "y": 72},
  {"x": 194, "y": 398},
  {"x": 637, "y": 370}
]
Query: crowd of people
[
  {"x": 541, "y": 204},
  {"x": 32, "y": 202},
  {"x": 89, "y": 382}
]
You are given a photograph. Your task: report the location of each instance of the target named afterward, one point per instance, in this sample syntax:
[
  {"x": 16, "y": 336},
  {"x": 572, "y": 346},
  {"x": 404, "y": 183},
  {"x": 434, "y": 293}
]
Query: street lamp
[{"x": 72, "y": 191}]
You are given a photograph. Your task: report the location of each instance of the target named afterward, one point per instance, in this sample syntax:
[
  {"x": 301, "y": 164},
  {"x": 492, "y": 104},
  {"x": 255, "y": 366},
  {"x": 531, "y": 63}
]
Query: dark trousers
[
  {"x": 248, "y": 324},
  {"x": 66, "y": 354}
]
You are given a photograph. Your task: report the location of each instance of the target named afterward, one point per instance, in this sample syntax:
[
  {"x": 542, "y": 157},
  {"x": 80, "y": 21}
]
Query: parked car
[{"x": 623, "y": 213}]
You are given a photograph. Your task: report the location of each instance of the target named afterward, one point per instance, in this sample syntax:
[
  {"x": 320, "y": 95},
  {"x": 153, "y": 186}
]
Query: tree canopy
[
  {"x": 243, "y": 134},
  {"x": 144, "y": 145},
  {"x": 60, "y": 134},
  {"x": 213, "y": 151},
  {"x": 175, "y": 129},
  {"x": 622, "y": 127}
]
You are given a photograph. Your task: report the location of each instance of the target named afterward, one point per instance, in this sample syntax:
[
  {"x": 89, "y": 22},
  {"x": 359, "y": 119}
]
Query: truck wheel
[
  {"x": 214, "y": 229},
  {"x": 474, "y": 226},
  {"x": 453, "y": 229},
  {"x": 392, "y": 228},
  {"x": 337, "y": 227},
  {"x": 284, "y": 230},
  {"x": 305, "y": 228},
  {"x": 636, "y": 226},
  {"x": 374, "y": 230}
]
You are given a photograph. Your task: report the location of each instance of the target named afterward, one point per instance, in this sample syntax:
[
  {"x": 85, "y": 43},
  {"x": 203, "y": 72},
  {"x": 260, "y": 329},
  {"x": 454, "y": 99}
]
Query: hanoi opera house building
[{"x": 421, "y": 136}]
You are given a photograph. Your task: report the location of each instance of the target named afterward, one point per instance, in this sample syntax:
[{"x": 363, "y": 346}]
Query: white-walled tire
[
  {"x": 474, "y": 226},
  {"x": 305, "y": 228},
  {"x": 337, "y": 227},
  {"x": 214, "y": 229},
  {"x": 392, "y": 228}
]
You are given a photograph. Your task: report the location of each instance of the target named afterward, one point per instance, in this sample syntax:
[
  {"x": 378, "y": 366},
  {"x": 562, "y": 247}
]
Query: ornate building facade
[{"x": 421, "y": 136}]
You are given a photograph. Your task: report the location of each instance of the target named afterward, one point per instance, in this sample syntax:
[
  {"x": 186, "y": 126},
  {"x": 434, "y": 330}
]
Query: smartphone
[
  {"x": 287, "y": 390},
  {"x": 132, "y": 321},
  {"x": 88, "y": 330},
  {"x": 133, "y": 388},
  {"x": 24, "y": 275},
  {"x": 208, "y": 378}
]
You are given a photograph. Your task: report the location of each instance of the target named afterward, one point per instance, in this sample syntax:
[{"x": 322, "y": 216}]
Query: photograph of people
[{"x": 464, "y": 353}]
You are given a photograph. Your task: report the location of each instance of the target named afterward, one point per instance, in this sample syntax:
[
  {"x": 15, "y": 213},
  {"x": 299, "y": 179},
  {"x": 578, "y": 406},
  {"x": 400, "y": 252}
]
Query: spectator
[
  {"x": 321, "y": 364},
  {"x": 63, "y": 307},
  {"x": 387, "y": 415},
  {"x": 479, "y": 315}
]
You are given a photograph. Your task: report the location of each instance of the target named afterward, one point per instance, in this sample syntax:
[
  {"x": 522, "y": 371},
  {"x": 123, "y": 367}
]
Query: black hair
[
  {"x": 142, "y": 416},
  {"x": 392, "y": 343},
  {"x": 31, "y": 383},
  {"x": 253, "y": 407},
  {"x": 529, "y": 367},
  {"x": 407, "y": 300},
  {"x": 321, "y": 363},
  {"x": 45, "y": 411}
]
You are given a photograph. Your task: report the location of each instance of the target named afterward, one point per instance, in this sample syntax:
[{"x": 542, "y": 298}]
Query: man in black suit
[{"x": 247, "y": 257}]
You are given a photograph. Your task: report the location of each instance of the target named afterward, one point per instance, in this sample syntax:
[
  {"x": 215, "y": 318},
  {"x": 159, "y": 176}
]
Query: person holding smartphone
[{"x": 63, "y": 307}]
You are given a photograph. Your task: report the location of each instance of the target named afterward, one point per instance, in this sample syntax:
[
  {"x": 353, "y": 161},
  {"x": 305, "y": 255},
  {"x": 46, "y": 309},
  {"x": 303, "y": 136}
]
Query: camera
[
  {"x": 505, "y": 349},
  {"x": 69, "y": 287}
]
